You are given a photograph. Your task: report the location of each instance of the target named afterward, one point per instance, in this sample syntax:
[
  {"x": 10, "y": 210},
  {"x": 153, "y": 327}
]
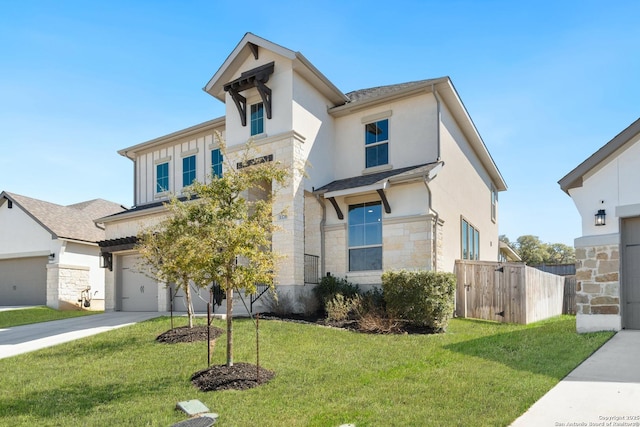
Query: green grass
[
  {"x": 478, "y": 373},
  {"x": 26, "y": 316}
]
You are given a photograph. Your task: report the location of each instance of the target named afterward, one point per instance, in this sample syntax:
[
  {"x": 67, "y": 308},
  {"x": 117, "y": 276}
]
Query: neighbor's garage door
[
  {"x": 631, "y": 273},
  {"x": 137, "y": 292},
  {"x": 23, "y": 281}
]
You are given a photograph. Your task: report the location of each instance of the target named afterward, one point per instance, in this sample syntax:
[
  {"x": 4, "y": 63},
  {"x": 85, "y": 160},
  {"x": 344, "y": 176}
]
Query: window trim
[
  {"x": 365, "y": 246},
  {"x": 221, "y": 163},
  {"x": 158, "y": 189},
  {"x": 193, "y": 171},
  {"x": 494, "y": 203},
  {"x": 471, "y": 242},
  {"x": 259, "y": 120},
  {"x": 368, "y": 146}
]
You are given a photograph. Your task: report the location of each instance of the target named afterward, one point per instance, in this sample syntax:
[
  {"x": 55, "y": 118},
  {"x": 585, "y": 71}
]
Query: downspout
[
  {"x": 434, "y": 253},
  {"x": 435, "y": 94},
  {"x": 322, "y": 223}
]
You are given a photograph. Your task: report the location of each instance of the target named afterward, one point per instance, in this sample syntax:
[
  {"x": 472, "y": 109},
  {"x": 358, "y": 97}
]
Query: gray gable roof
[
  {"x": 67, "y": 222},
  {"x": 364, "y": 180},
  {"x": 381, "y": 91}
]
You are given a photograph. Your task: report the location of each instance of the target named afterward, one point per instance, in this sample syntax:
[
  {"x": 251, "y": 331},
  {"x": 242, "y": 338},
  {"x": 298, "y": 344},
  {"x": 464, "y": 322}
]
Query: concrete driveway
[
  {"x": 23, "y": 339},
  {"x": 603, "y": 391}
]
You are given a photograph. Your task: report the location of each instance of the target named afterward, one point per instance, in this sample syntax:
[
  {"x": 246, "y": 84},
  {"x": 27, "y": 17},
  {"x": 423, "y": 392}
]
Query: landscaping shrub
[
  {"x": 423, "y": 298},
  {"x": 330, "y": 286},
  {"x": 342, "y": 309}
]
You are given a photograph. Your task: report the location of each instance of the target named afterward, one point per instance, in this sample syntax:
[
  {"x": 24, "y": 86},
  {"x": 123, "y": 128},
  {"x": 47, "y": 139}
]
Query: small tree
[
  {"x": 168, "y": 250},
  {"x": 220, "y": 234}
]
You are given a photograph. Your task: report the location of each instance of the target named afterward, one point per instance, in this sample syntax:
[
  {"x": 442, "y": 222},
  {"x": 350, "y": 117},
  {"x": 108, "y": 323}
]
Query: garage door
[
  {"x": 631, "y": 273},
  {"x": 23, "y": 281},
  {"x": 137, "y": 292}
]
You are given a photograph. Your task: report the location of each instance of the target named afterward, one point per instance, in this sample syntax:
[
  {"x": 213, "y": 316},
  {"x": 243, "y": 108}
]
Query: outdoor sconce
[
  {"x": 52, "y": 256},
  {"x": 600, "y": 217}
]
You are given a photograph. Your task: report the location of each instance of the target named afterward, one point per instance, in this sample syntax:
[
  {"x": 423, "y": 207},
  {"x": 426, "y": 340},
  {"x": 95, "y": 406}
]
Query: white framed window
[
  {"x": 188, "y": 170},
  {"x": 376, "y": 141},
  {"x": 494, "y": 203},
  {"x": 257, "y": 119},
  {"x": 162, "y": 177},
  {"x": 470, "y": 241},
  {"x": 216, "y": 162},
  {"x": 365, "y": 236}
]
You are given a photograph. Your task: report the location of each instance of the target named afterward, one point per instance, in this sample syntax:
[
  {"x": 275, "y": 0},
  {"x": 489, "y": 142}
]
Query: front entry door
[{"x": 631, "y": 273}]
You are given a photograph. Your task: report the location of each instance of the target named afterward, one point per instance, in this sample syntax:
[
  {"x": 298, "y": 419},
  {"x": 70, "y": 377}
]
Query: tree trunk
[
  {"x": 229, "y": 326},
  {"x": 187, "y": 296}
]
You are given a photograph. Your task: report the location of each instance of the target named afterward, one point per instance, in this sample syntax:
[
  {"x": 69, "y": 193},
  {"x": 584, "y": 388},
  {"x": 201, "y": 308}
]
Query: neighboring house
[
  {"x": 396, "y": 176},
  {"x": 49, "y": 253},
  {"x": 605, "y": 190}
]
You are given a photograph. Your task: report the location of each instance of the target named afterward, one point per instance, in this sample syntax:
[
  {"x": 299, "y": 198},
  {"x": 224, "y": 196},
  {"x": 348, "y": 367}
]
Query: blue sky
[{"x": 546, "y": 82}]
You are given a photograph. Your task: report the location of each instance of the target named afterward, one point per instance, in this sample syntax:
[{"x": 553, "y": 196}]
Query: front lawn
[
  {"x": 26, "y": 316},
  {"x": 478, "y": 373}
]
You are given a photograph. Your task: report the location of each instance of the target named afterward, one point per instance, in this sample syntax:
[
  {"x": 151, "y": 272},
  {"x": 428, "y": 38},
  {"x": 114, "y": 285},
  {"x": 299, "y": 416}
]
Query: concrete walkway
[
  {"x": 603, "y": 391},
  {"x": 23, "y": 339}
]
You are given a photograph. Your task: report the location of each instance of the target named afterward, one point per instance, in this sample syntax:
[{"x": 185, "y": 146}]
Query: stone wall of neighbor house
[
  {"x": 598, "y": 287},
  {"x": 65, "y": 284}
]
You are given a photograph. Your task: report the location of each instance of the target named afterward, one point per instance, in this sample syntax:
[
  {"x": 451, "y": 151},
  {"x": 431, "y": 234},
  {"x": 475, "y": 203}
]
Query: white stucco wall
[
  {"x": 412, "y": 133},
  {"x": 22, "y": 235},
  {"x": 613, "y": 186},
  {"x": 462, "y": 189}
]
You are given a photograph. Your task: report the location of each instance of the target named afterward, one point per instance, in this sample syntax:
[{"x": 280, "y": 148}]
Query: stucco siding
[
  {"x": 22, "y": 234},
  {"x": 462, "y": 189}
]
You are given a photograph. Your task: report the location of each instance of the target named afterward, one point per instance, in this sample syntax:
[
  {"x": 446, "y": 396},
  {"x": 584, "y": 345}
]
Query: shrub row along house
[{"x": 391, "y": 177}]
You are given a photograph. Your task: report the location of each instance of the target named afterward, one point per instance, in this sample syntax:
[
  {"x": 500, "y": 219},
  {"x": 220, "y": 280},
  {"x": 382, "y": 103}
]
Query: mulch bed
[
  {"x": 240, "y": 376},
  {"x": 187, "y": 334}
]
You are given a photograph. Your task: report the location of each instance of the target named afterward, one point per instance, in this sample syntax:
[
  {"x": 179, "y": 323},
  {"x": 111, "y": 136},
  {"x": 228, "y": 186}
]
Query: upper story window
[
  {"x": 188, "y": 170},
  {"x": 470, "y": 243},
  {"x": 162, "y": 177},
  {"x": 365, "y": 236},
  {"x": 494, "y": 203},
  {"x": 216, "y": 163},
  {"x": 376, "y": 141},
  {"x": 257, "y": 119}
]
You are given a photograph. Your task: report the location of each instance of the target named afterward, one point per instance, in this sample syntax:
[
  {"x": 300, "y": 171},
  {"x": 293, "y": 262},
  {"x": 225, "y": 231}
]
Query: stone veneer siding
[
  {"x": 65, "y": 284},
  {"x": 598, "y": 280}
]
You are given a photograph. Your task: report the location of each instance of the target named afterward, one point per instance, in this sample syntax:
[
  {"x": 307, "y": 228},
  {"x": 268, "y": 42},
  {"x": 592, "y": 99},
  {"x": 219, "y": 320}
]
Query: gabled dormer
[{"x": 269, "y": 90}]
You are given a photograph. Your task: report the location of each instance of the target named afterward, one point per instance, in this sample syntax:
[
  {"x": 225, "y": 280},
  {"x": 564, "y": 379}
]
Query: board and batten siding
[{"x": 146, "y": 163}]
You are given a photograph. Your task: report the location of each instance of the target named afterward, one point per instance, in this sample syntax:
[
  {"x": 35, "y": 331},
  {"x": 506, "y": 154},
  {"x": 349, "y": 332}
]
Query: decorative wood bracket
[
  {"x": 257, "y": 77},
  {"x": 254, "y": 49},
  {"x": 241, "y": 105},
  {"x": 385, "y": 202},
  {"x": 336, "y": 207}
]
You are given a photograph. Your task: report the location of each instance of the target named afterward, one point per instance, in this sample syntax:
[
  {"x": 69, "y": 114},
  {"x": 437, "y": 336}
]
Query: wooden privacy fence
[{"x": 507, "y": 292}]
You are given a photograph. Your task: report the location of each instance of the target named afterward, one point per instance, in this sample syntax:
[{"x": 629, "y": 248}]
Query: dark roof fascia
[
  {"x": 574, "y": 178},
  {"x": 364, "y": 180}
]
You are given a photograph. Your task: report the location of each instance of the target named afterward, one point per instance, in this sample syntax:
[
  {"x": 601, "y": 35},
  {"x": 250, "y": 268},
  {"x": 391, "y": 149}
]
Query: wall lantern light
[
  {"x": 600, "y": 216},
  {"x": 52, "y": 256}
]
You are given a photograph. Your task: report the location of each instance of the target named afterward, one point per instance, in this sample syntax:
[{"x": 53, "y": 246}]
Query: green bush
[
  {"x": 330, "y": 286},
  {"x": 423, "y": 298}
]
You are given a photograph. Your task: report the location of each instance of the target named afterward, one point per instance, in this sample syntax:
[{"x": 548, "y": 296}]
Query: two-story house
[{"x": 397, "y": 177}]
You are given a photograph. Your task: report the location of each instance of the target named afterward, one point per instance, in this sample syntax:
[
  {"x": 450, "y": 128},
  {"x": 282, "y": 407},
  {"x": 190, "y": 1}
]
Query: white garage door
[
  {"x": 23, "y": 281},
  {"x": 137, "y": 292}
]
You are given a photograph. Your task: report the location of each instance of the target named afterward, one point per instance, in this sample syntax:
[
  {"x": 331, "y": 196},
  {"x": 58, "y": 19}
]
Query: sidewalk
[
  {"x": 602, "y": 391},
  {"x": 23, "y": 339}
]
